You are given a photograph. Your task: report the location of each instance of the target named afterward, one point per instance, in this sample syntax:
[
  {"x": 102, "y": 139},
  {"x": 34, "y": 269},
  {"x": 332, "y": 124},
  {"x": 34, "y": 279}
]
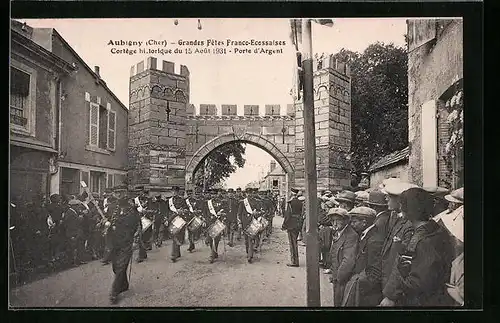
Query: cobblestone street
[{"x": 191, "y": 282}]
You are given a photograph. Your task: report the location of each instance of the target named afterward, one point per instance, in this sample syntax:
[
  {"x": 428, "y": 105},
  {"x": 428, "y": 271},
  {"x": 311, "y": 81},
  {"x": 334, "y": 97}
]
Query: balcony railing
[{"x": 17, "y": 116}]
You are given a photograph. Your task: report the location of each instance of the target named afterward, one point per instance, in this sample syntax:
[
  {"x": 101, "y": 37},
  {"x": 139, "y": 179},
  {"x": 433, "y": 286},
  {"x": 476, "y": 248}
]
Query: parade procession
[{"x": 396, "y": 245}]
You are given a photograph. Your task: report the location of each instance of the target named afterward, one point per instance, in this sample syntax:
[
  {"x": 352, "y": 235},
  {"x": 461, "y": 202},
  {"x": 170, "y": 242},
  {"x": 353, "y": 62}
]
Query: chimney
[
  {"x": 96, "y": 70},
  {"x": 273, "y": 165}
]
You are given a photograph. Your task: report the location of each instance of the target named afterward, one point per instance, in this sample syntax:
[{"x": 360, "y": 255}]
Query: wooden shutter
[
  {"x": 111, "y": 129},
  {"x": 428, "y": 128},
  {"x": 94, "y": 124},
  {"x": 110, "y": 180}
]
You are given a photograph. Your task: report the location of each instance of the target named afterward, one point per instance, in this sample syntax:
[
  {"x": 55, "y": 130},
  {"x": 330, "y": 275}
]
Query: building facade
[
  {"x": 36, "y": 75},
  {"x": 92, "y": 129},
  {"x": 275, "y": 180},
  {"x": 435, "y": 102},
  {"x": 392, "y": 165}
]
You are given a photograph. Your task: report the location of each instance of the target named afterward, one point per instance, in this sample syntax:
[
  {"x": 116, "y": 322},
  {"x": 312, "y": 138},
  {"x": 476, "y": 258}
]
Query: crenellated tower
[
  {"x": 159, "y": 98},
  {"x": 332, "y": 113}
]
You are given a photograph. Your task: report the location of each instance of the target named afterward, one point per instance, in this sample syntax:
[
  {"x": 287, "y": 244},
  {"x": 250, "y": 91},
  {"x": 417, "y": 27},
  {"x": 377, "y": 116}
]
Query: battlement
[
  {"x": 239, "y": 118},
  {"x": 151, "y": 63},
  {"x": 231, "y": 110},
  {"x": 329, "y": 62}
]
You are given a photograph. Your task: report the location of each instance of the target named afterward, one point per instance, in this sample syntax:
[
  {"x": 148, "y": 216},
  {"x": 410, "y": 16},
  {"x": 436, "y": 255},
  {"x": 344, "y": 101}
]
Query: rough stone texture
[
  {"x": 168, "y": 140},
  {"x": 332, "y": 117},
  {"x": 159, "y": 103},
  {"x": 434, "y": 65}
]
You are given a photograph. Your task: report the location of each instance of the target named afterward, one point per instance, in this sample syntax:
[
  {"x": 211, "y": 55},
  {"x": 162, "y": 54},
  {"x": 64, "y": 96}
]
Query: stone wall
[
  {"x": 435, "y": 63},
  {"x": 157, "y": 125},
  {"x": 332, "y": 107}
]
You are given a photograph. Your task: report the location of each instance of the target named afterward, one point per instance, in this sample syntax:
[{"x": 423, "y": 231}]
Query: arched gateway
[{"x": 168, "y": 141}]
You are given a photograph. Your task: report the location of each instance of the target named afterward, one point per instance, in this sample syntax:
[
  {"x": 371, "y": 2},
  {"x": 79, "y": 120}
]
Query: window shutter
[
  {"x": 111, "y": 130},
  {"x": 94, "y": 124},
  {"x": 110, "y": 180}
]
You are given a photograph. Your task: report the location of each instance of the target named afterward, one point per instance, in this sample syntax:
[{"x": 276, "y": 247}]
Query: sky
[{"x": 219, "y": 79}]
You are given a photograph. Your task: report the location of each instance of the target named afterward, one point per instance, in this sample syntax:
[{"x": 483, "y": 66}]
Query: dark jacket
[
  {"x": 180, "y": 204},
  {"x": 396, "y": 240},
  {"x": 232, "y": 209},
  {"x": 293, "y": 214},
  {"x": 367, "y": 273},
  {"x": 243, "y": 215},
  {"x": 343, "y": 258},
  {"x": 421, "y": 282},
  {"x": 125, "y": 227}
]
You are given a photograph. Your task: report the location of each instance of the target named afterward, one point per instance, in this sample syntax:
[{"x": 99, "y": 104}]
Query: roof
[
  {"x": 91, "y": 71},
  {"x": 390, "y": 159},
  {"x": 54, "y": 60},
  {"x": 278, "y": 171}
]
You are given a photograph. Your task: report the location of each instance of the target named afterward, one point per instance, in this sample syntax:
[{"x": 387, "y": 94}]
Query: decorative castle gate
[{"x": 168, "y": 141}]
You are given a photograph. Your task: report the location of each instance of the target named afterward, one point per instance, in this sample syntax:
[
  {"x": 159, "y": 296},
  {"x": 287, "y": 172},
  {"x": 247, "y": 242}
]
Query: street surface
[{"x": 190, "y": 282}]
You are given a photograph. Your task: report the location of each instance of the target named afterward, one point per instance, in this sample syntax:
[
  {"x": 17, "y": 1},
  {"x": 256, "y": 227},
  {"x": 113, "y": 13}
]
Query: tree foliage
[
  {"x": 379, "y": 102},
  {"x": 218, "y": 165}
]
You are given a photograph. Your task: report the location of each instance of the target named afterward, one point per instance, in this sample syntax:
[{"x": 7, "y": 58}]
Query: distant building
[
  {"x": 435, "y": 95},
  {"x": 275, "y": 180},
  {"x": 393, "y": 165},
  {"x": 89, "y": 124}
]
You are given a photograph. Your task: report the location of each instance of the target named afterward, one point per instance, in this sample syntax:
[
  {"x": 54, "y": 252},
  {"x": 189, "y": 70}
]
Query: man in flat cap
[
  {"x": 342, "y": 253},
  {"x": 361, "y": 198},
  {"x": 398, "y": 232},
  {"x": 292, "y": 224},
  {"x": 365, "y": 287},
  {"x": 177, "y": 207},
  {"x": 423, "y": 265}
]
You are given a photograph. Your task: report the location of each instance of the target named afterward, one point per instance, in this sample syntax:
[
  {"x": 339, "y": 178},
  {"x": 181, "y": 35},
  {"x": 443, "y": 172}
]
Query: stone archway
[{"x": 247, "y": 137}]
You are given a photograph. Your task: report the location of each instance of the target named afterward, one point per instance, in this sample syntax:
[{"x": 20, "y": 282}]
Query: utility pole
[{"x": 312, "y": 246}]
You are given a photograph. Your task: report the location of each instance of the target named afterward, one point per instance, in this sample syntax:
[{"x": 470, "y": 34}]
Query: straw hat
[
  {"x": 395, "y": 188},
  {"x": 457, "y": 196},
  {"x": 388, "y": 181}
]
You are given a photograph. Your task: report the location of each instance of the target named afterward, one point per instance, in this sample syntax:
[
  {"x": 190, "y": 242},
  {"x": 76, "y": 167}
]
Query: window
[
  {"x": 275, "y": 183},
  {"x": 22, "y": 93},
  {"x": 97, "y": 182},
  {"x": 110, "y": 180},
  {"x": 69, "y": 181},
  {"x": 102, "y": 127}
]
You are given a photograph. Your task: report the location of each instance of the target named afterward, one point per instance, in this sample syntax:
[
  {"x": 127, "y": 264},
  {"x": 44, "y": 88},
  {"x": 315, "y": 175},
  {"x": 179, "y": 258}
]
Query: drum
[
  {"x": 146, "y": 223},
  {"x": 264, "y": 223},
  {"x": 254, "y": 228},
  {"x": 176, "y": 225},
  {"x": 195, "y": 224},
  {"x": 216, "y": 229}
]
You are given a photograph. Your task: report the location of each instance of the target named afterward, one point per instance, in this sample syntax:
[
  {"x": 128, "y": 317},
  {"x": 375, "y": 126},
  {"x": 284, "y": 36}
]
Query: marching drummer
[
  {"x": 247, "y": 211},
  {"x": 176, "y": 208},
  {"x": 194, "y": 224},
  {"x": 214, "y": 210}
]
